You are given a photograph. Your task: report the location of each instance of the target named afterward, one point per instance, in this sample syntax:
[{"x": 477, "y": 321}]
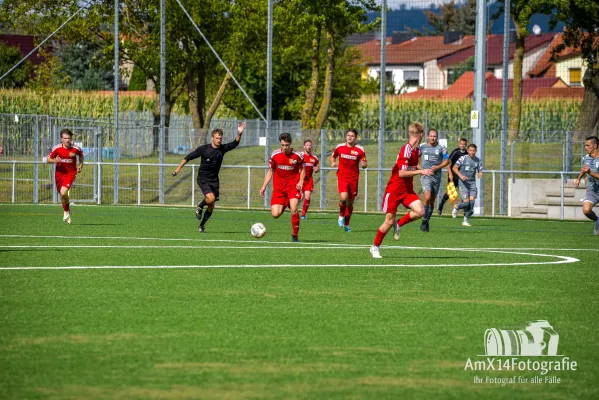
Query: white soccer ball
[{"x": 258, "y": 230}]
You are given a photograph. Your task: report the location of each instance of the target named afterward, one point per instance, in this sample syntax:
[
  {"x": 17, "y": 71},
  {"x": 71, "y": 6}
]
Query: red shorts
[
  {"x": 64, "y": 180},
  {"x": 282, "y": 197},
  {"x": 392, "y": 200},
  {"x": 347, "y": 185},
  {"x": 308, "y": 185}
]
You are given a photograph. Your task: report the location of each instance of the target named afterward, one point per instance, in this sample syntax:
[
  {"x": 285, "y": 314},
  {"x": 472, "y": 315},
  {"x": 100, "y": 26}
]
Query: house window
[
  {"x": 411, "y": 78},
  {"x": 388, "y": 76},
  {"x": 575, "y": 77}
]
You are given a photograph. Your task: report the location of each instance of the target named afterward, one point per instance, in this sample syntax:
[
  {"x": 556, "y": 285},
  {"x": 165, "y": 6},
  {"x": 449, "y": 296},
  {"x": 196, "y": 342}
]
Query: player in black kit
[
  {"x": 453, "y": 157},
  {"x": 211, "y": 159}
]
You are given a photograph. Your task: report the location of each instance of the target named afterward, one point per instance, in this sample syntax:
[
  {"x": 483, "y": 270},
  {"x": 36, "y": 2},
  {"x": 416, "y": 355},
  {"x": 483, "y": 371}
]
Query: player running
[
  {"x": 287, "y": 167},
  {"x": 64, "y": 156},
  {"x": 466, "y": 169},
  {"x": 351, "y": 157},
  {"x": 211, "y": 160},
  {"x": 400, "y": 189},
  {"x": 590, "y": 167},
  {"x": 455, "y": 155},
  {"x": 310, "y": 166},
  {"x": 434, "y": 156}
]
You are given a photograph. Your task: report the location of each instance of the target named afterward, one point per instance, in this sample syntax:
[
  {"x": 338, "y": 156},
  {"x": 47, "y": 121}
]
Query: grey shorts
[
  {"x": 591, "y": 197},
  {"x": 467, "y": 189},
  {"x": 431, "y": 184}
]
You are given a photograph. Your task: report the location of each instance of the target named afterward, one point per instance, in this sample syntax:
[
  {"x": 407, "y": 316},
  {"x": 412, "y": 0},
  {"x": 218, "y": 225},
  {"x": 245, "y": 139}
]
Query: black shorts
[{"x": 209, "y": 186}]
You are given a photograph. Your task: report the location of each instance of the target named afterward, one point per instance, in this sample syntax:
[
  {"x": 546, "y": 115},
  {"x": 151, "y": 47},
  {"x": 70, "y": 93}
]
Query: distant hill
[{"x": 414, "y": 18}]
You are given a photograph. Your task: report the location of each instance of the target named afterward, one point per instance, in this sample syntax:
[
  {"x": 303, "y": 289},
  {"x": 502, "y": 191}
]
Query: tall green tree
[
  {"x": 83, "y": 67},
  {"x": 9, "y": 57},
  {"x": 450, "y": 17},
  {"x": 581, "y": 18}
]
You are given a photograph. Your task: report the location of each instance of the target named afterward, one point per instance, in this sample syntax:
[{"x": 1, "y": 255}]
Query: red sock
[
  {"x": 295, "y": 221},
  {"x": 65, "y": 207},
  {"x": 305, "y": 207},
  {"x": 342, "y": 208},
  {"x": 348, "y": 212},
  {"x": 379, "y": 238},
  {"x": 405, "y": 219}
]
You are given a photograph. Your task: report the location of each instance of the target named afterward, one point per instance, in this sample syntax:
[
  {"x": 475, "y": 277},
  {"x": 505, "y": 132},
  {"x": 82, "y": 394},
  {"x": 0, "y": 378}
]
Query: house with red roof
[{"x": 566, "y": 64}]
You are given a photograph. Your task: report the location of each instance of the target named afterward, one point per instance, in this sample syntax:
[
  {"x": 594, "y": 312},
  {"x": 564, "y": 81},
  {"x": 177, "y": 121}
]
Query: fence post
[
  {"x": 492, "y": 196},
  {"x": 14, "y": 181},
  {"x": 561, "y": 200},
  {"x": 365, "y": 190},
  {"x": 512, "y": 158},
  {"x": 568, "y": 166},
  {"x": 36, "y": 151},
  {"x": 323, "y": 175},
  {"x": 99, "y": 182},
  {"x": 138, "y": 184},
  {"x": 193, "y": 188},
  {"x": 249, "y": 185}
]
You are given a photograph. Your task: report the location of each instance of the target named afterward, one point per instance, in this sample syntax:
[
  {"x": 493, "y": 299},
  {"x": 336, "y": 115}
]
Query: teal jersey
[
  {"x": 593, "y": 163},
  {"x": 469, "y": 167},
  {"x": 433, "y": 155}
]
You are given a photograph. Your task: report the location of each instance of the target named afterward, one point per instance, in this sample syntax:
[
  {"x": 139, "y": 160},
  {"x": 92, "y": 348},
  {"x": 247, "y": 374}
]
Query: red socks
[
  {"x": 342, "y": 209},
  {"x": 305, "y": 207},
  {"x": 379, "y": 238},
  {"x": 405, "y": 219},
  {"x": 66, "y": 207},
  {"x": 348, "y": 212},
  {"x": 295, "y": 222}
]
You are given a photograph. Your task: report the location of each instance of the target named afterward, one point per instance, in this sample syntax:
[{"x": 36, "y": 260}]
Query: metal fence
[{"x": 240, "y": 186}]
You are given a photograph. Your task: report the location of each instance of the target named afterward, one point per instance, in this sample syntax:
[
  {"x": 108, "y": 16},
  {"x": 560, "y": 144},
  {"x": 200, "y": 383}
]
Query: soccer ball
[{"x": 258, "y": 230}]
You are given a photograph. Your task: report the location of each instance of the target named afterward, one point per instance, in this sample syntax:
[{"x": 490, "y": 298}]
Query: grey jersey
[
  {"x": 593, "y": 163},
  {"x": 433, "y": 155},
  {"x": 469, "y": 166}
]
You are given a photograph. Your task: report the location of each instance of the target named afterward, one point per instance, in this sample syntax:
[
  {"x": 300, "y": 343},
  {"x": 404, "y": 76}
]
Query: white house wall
[
  {"x": 398, "y": 75},
  {"x": 562, "y": 68},
  {"x": 434, "y": 78},
  {"x": 531, "y": 59}
]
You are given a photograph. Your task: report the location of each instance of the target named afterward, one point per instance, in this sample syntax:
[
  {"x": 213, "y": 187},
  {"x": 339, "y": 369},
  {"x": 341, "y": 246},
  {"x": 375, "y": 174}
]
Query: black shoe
[
  {"x": 440, "y": 210},
  {"x": 201, "y": 229},
  {"x": 199, "y": 212},
  {"x": 294, "y": 239},
  {"x": 427, "y": 227},
  {"x": 423, "y": 226}
]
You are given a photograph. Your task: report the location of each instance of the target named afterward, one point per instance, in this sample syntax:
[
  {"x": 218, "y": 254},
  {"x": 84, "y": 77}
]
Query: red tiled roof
[
  {"x": 495, "y": 50},
  {"x": 545, "y": 67},
  {"x": 558, "y": 93},
  {"x": 25, "y": 44},
  {"x": 495, "y": 86},
  {"x": 424, "y": 94},
  {"x": 415, "y": 51},
  {"x": 462, "y": 88}
]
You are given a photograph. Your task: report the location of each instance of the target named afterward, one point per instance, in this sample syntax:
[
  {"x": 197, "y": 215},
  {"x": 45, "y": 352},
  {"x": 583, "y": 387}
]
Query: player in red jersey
[
  {"x": 400, "y": 189},
  {"x": 64, "y": 156},
  {"x": 310, "y": 166},
  {"x": 351, "y": 157},
  {"x": 287, "y": 167}
]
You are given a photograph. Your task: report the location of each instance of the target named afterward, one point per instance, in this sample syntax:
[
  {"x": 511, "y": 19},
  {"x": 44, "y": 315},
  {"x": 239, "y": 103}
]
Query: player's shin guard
[
  {"x": 342, "y": 208},
  {"x": 405, "y": 219},
  {"x": 378, "y": 239},
  {"x": 348, "y": 212},
  {"x": 591, "y": 215},
  {"x": 207, "y": 215},
  {"x": 295, "y": 224},
  {"x": 305, "y": 207}
]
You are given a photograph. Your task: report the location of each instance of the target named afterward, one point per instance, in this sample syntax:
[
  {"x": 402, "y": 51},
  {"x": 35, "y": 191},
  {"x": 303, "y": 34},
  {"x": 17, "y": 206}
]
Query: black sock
[
  {"x": 426, "y": 210},
  {"x": 470, "y": 211},
  {"x": 592, "y": 216},
  {"x": 207, "y": 215},
  {"x": 202, "y": 204},
  {"x": 431, "y": 209},
  {"x": 443, "y": 201},
  {"x": 464, "y": 206}
]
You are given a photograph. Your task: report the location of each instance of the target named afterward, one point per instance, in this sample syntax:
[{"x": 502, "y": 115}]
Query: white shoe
[
  {"x": 454, "y": 213},
  {"x": 466, "y": 222},
  {"x": 375, "y": 251},
  {"x": 596, "y": 230},
  {"x": 396, "y": 231},
  {"x": 341, "y": 221},
  {"x": 67, "y": 217}
]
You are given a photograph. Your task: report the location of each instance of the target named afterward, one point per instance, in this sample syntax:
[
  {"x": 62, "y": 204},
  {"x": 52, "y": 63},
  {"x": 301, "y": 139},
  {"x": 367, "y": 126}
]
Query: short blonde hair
[{"x": 416, "y": 128}]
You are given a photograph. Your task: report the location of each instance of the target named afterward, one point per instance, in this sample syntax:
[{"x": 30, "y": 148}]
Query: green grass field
[{"x": 156, "y": 310}]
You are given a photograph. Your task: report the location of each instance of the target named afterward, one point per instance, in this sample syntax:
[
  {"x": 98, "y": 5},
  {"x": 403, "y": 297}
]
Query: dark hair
[
  {"x": 463, "y": 140},
  {"x": 307, "y": 140},
  {"x": 472, "y": 145},
  {"x": 285, "y": 137},
  {"x": 217, "y": 132},
  {"x": 593, "y": 139},
  {"x": 66, "y": 132},
  {"x": 352, "y": 130},
  {"x": 433, "y": 130}
]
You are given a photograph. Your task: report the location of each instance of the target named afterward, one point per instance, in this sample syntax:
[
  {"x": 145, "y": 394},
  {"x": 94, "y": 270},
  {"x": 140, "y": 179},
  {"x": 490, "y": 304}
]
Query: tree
[
  {"x": 459, "y": 70},
  {"x": 582, "y": 32},
  {"x": 81, "y": 65},
  {"x": 9, "y": 57},
  {"x": 450, "y": 18}
]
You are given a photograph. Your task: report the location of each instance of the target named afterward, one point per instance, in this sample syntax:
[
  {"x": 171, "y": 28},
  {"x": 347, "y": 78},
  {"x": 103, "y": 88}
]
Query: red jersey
[
  {"x": 407, "y": 160},
  {"x": 349, "y": 160},
  {"x": 68, "y": 160},
  {"x": 310, "y": 161},
  {"x": 286, "y": 168}
]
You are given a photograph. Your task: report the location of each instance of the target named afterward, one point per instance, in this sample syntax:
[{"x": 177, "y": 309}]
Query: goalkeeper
[{"x": 455, "y": 155}]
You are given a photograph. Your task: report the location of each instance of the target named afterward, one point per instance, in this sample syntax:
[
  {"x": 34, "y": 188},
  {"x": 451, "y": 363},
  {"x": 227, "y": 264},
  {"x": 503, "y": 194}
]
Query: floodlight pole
[
  {"x": 505, "y": 109},
  {"x": 480, "y": 69},
  {"x": 116, "y": 102},
  {"x": 162, "y": 100},
  {"x": 382, "y": 92},
  {"x": 268, "y": 93}
]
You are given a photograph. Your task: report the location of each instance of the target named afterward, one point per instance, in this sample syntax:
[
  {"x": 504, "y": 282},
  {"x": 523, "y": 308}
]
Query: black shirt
[
  {"x": 456, "y": 154},
  {"x": 211, "y": 160}
]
